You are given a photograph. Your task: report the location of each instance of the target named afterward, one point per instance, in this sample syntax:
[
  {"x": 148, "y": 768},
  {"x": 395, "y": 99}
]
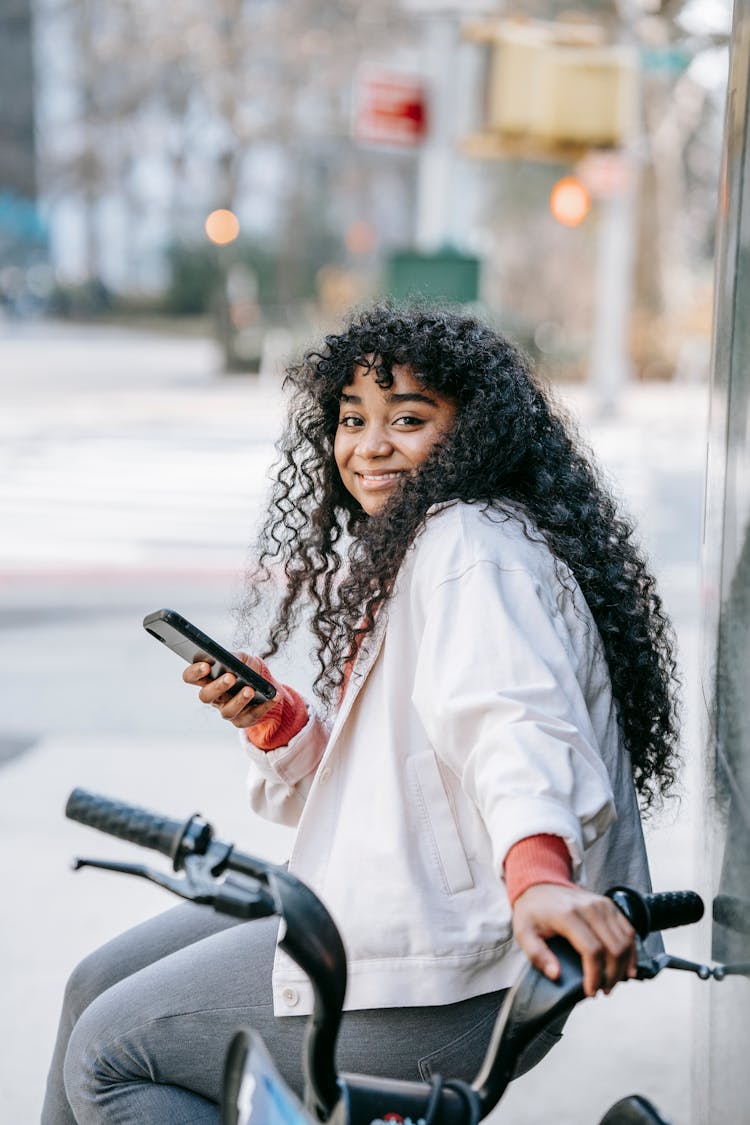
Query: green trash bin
[{"x": 446, "y": 276}]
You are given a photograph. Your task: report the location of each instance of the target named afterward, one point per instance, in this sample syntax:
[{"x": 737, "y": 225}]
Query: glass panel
[{"x": 724, "y": 1076}]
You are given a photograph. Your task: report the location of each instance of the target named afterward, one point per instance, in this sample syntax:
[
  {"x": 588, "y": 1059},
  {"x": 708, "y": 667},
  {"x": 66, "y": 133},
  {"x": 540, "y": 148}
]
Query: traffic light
[{"x": 569, "y": 201}]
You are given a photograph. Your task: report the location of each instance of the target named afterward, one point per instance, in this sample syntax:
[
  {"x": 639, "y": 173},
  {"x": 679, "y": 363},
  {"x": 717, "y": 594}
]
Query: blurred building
[
  {"x": 21, "y": 233},
  {"x": 152, "y": 117},
  {"x": 17, "y": 152}
]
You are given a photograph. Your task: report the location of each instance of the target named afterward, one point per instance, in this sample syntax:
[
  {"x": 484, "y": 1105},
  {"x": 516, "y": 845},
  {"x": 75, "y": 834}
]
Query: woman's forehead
[{"x": 382, "y": 371}]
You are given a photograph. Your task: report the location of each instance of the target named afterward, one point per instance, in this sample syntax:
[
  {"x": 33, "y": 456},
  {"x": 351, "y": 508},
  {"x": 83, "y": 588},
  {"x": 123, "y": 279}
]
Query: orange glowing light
[
  {"x": 222, "y": 226},
  {"x": 569, "y": 201}
]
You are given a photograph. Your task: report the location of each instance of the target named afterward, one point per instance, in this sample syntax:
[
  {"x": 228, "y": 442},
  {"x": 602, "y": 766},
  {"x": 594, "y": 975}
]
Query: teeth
[{"x": 380, "y": 476}]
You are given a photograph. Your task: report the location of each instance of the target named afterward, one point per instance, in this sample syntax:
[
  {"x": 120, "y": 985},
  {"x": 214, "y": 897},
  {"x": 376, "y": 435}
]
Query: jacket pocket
[{"x": 438, "y": 823}]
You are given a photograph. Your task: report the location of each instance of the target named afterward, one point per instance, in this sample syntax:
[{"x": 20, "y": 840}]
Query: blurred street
[{"x": 132, "y": 475}]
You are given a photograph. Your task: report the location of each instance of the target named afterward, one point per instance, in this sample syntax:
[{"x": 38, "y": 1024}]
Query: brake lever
[
  {"x": 241, "y": 898},
  {"x": 178, "y": 886},
  {"x": 649, "y": 967}
]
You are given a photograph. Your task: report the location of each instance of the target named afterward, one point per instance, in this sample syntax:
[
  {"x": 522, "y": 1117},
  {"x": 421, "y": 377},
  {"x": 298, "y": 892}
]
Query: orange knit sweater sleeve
[
  {"x": 285, "y": 717},
  {"x": 536, "y": 859}
]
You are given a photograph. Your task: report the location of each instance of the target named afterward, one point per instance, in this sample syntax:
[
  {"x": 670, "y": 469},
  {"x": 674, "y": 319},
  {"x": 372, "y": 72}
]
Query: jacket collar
[
  {"x": 368, "y": 654},
  {"x": 366, "y": 657}
]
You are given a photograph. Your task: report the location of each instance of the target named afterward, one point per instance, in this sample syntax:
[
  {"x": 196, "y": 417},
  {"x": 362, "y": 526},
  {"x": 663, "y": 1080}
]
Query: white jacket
[{"x": 479, "y": 712}]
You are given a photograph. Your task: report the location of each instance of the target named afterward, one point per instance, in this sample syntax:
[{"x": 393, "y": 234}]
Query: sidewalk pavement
[{"x": 655, "y": 449}]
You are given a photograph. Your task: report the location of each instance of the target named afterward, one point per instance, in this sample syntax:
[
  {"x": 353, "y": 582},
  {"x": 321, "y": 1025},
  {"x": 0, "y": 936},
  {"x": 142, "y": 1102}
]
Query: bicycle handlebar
[
  {"x": 670, "y": 909},
  {"x": 173, "y": 838},
  {"x": 535, "y": 1001},
  {"x": 647, "y": 913},
  {"x": 666, "y": 910},
  {"x": 310, "y": 936}
]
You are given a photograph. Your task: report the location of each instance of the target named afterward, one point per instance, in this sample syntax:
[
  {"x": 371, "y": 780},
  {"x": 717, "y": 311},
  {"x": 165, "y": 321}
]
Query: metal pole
[
  {"x": 610, "y": 365},
  {"x": 437, "y": 155}
]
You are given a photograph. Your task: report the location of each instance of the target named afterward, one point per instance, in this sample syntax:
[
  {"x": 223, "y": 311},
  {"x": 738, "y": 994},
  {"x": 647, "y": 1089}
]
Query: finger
[
  {"x": 625, "y": 963},
  {"x": 624, "y": 953},
  {"x": 253, "y": 662},
  {"x": 196, "y": 673},
  {"x": 594, "y": 968},
  {"x": 590, "y": 949},
  {"x": 239, "y": 702},
  {"x": 610, "y": 946},
  {"x": 538, "y": 953},
  {"x": 215, "y": 690},
  {"x": 618, "y": 939},
  {"x": 251, "y": 715}
]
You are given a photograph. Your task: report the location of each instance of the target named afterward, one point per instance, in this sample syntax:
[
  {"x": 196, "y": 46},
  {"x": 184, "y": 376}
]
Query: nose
[{"x": 374, "y": 441}]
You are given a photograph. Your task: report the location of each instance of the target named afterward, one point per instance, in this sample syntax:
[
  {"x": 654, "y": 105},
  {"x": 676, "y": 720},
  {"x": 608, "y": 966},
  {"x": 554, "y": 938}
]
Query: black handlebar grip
[
  {"x": 127, "y": 822},
  {"x": 673, "y": 908}
]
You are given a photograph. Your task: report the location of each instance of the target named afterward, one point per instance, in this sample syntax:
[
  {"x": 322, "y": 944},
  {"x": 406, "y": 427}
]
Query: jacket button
[{"x": 291, "y": 997}]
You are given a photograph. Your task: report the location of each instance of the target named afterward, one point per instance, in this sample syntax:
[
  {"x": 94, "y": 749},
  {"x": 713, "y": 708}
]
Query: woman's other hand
[
  {"x": 592, "y": 924},
  {"x": 238, "y": 709}
]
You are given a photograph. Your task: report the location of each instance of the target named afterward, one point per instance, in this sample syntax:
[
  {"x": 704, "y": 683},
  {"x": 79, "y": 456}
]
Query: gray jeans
[{"x": 147, "y": 1019}]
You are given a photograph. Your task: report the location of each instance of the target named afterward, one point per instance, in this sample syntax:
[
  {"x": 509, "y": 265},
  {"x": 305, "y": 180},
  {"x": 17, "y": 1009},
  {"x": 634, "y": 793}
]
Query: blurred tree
[
  {"x": 684, "y": 60},
  {"x": 683, "y": 46},
  {"x": 683, "y": 49},
  {"x": 198, "y": 89}
]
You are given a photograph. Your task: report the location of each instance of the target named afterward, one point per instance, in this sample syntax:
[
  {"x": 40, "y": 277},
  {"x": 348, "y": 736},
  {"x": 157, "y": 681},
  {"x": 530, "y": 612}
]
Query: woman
[{"x": 495, "y": 672}]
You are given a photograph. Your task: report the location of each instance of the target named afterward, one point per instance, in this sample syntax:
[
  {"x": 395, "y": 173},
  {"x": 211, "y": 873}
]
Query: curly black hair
[{"x": 509, "y": 443}]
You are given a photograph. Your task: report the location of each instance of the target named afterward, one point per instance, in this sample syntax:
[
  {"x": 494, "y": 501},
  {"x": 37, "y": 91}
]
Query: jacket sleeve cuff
[
  {"x": 537, "y": 859},
  {"x": 294, "y": 763},
  {"x": 511, "y": 820}
]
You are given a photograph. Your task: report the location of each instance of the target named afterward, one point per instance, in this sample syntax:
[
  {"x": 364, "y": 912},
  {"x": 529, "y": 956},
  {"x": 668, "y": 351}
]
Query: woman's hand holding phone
[{"x": 238, "y": 709}]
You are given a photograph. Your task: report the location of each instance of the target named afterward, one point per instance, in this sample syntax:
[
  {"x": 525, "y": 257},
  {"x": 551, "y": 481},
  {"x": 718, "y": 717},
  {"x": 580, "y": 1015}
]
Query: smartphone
[{"x": 194, "y": 646}]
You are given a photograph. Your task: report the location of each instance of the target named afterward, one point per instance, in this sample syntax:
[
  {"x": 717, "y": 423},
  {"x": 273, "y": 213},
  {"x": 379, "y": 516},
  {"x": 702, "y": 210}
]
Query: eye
[
  {"x": 408, "y": 420},
  {"x": 350, "y": 421}
]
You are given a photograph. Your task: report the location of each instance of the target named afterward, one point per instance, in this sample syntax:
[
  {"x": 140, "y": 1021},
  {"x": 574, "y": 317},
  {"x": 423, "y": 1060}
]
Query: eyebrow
[{"x": 394, "y": 398}]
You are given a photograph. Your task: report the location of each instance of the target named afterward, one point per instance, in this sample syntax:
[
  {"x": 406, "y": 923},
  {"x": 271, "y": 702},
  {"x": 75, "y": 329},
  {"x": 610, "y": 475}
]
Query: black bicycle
[{"x": 216, "y": 874}]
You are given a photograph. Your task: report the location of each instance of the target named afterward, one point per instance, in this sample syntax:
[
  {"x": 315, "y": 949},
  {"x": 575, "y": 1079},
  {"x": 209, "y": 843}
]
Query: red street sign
[{"x": 390, "y": 108}]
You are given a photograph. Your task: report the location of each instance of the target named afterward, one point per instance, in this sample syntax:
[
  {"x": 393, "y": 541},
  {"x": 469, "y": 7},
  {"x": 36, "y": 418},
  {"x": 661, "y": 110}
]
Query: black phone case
[{"x": 192, "y": 645}]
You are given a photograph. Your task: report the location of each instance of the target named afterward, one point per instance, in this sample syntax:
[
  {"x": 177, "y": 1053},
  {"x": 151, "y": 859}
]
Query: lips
[{"x": 377, "y": 478}]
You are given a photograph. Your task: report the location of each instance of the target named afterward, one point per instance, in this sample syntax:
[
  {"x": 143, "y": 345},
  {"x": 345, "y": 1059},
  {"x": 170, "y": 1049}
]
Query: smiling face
[{"x": 386, "y": 432}]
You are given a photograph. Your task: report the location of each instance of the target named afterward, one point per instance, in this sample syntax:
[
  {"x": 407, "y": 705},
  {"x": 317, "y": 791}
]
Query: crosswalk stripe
[{"x": 132, "y": 501}]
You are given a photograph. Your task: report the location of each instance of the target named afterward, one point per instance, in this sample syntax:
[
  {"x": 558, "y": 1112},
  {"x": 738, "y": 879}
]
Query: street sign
[{"x": 390, "y": 108}]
